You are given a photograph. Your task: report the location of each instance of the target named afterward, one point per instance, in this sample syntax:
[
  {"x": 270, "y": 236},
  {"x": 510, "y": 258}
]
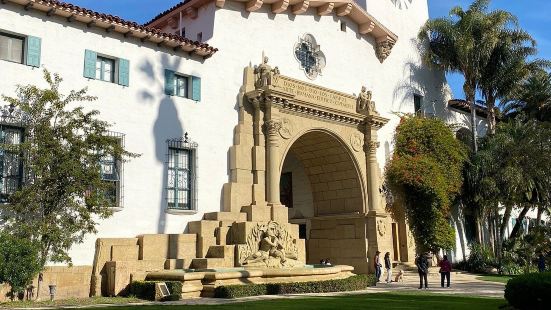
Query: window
[
  {"x": 11, "y": 48},
  {"x": 417, "y": 103},
  {"x": 183, "y": 32},
  {"x": 20, "y": 49},
  {"x": 105, "y": 68},
  {"x": 200, "y": 37},
  {"x": 343, "y": 26},
  {"x": 112, "y": 172},
  {"x": 182, "y": 85},
  {"x": 11, "y": 165},
  {"x": 181, "y": 174}
]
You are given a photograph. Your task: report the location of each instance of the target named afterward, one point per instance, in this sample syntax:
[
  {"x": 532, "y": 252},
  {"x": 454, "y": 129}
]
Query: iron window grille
[
  {"x": 112, "y": 172},
  {"x": 12, "y": 133},
  {"x": 181, "y": 183}
]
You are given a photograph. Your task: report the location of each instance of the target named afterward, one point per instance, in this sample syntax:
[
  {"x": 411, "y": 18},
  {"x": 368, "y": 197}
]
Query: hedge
[
  {"x": 530, "y": 291},
  {"x": 354, "y": 283},
  {"x": 146, "y": 290}
]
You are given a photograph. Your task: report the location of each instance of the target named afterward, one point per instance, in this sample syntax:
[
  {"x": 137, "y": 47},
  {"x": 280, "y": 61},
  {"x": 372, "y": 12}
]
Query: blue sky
[{"x": 534, "y": 16}]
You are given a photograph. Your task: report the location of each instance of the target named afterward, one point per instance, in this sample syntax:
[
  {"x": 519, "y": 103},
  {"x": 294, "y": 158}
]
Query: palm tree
[
  {"x": 508, "y": 66},
  {"x": 463, "y": 43},
  {"x": 533, "y": 97}
]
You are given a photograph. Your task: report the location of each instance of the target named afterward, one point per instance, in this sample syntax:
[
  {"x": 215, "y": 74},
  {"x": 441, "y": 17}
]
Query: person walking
[
  {"x": 541, "y": 263},
  {"x": 445, "y": 271},
  {"x": 388, "y": 267},
  {"x": 377, "y": 264},
  {"x": 422, "y": 268}
]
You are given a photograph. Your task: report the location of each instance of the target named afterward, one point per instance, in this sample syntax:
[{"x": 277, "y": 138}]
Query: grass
[
  {"x": 496, "y": 278},
  {"x": 386, "y": 301},
  {"x": 72, "y": 302}
]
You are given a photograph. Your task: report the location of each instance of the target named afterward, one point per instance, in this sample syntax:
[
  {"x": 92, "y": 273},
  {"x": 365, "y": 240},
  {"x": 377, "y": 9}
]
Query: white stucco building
[{"x": 157, "y": 84}]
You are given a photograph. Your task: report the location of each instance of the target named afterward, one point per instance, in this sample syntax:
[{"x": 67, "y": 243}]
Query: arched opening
[{"x": 321, "y": 187}]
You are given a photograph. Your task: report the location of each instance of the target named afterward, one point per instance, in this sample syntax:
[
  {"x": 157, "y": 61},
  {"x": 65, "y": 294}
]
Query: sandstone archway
[
  {"x": 325, "y": 184},
  {"x": 331, "y": 138}
]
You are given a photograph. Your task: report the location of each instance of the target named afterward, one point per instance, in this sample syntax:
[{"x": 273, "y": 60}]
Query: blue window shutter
[
  {"x": 33, "y": 51},
  {"x": 124, "y": 72},
  {"x": 169, "y": 82},
  {"x": 196, "y": 88},
  {"x": 90, "y": 58}
]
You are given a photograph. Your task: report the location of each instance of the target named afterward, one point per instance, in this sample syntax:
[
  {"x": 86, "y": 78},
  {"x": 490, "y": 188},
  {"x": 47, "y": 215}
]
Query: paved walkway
[{"x": 462, "y": 284}]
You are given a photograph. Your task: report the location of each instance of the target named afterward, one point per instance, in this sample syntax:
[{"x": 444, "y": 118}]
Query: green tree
[
  {"x": 512, "y": 170},
  {"x": 533, "y": 97},
  {"x": 507, "y": 68},
  {"x": 19, "y": 262},
  {"x": 425, "y": 176},
  {"x": 63, "y": 194},
  {"x": 463, "y": 43}
]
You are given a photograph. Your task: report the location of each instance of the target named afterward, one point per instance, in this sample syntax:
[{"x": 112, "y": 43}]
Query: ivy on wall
[{"x": 425, "y": 176}]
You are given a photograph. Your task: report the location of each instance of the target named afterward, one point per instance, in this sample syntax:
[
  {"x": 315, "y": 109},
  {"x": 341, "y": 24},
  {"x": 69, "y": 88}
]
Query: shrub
[
  {"x": 354, "y": 283},
  {"x": 481, "y": 259},
  {"x": 19, "y": 262},
  {"x": 530, "y": 291},
  {"x": 146, "y": 290}
]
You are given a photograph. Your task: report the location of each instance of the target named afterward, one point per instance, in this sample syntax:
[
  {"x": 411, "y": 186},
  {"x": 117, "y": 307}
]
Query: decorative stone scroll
[
  {"x": 384, "y": 47},
  {"x": 269, "y": 245},
  {"x": 381, "y": 227},
  {"x": 286, "y": 129},
  {"x": 357, "y": 141}
]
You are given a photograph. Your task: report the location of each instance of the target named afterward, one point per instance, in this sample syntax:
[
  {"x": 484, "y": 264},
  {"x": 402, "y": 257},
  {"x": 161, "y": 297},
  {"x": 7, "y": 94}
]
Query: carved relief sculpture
[
  {"x": 356, "y": 140},
  {"x": 264, "y": 73},
  {"x": 381, "y": 227},
  {"x": 286, "y": 130},
  {"x": 384, "y": 47},
  {"x": 271, "y": 246},
  {"x": 364, "y": 104}
]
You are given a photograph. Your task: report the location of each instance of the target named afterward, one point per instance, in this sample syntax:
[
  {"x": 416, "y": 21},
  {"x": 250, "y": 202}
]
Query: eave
[
  {"x": 110, "y": 23},
  {"x": 367, "y": 24}
]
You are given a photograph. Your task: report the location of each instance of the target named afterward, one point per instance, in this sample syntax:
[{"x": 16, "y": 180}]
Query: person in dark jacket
[
  {"x": 388, "y": 267},
  {"x": 541, "y": 263},
  {"x": 423, "y": 269},
  {"x": 445, "y": 271}
]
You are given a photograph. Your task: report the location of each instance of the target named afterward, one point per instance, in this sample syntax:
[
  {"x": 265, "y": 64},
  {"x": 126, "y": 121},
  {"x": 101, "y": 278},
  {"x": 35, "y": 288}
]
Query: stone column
[
  {"x": 271, "y": 130},
  {"x": 373, "y": 186}
]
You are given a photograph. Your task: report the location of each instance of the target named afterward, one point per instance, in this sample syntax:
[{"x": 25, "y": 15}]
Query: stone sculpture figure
[
  {"x": 267, "y": 247},
  {"x": 264, "y": 73},
  {"x": 364, "y": 104}
]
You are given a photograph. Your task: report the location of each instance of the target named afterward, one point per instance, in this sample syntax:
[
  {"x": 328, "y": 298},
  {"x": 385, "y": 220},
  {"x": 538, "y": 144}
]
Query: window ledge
[
  {"x": 116, "y": 209},
  {"x": 180, "y": 212}
]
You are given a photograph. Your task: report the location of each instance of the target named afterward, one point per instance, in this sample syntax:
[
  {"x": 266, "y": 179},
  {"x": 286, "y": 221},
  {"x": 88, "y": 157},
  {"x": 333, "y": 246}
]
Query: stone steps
[{"x": 210, "y": 263}]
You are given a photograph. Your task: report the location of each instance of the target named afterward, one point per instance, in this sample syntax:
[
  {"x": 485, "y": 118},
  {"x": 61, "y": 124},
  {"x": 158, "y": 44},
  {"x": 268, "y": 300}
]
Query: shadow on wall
[
  {"x": 167, "y": 125},
  {"x": 427, "y": 82}
]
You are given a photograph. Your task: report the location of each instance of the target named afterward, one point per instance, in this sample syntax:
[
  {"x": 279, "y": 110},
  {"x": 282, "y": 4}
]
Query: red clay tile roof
[
  {"x": 167, "y": 11},
  {"x": 121, "y": 22}
]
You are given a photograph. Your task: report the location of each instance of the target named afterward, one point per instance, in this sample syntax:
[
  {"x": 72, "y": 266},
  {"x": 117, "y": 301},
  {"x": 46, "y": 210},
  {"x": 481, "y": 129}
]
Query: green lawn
[
  {"x": 495, "y": 278},
  {"x": 369, "y": 301}
]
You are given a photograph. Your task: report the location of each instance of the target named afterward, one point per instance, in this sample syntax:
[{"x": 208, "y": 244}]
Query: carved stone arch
[{"x": 345, "y": 176}]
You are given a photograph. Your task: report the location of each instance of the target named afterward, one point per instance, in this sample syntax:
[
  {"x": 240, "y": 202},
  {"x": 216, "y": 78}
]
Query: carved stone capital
[
  {"x": 271, "y": 127},
  {"x": 371, "y": 147},
  {"x": 384, "y": 47}
]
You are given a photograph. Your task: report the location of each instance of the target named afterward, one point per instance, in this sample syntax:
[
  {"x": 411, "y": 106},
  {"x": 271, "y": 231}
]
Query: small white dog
[{"x": 400, "y": 276}]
